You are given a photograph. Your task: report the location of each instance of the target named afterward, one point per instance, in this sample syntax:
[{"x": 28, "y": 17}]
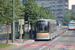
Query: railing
[
  {"x": 3, "y": 37},
  {"x": 3, "y": 29}
]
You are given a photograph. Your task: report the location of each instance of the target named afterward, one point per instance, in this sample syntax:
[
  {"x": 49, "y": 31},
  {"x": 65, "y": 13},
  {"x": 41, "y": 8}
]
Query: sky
[{"x": 71, "y": 2}]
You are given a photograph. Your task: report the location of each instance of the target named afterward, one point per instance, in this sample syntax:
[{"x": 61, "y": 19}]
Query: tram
[
  {"x": 45, "y": 29},
  {"x": 71, "y": 25}
]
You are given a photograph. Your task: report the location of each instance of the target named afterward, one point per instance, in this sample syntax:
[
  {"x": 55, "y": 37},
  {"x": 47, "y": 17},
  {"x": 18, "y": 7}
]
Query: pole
[
  {"x": 13, "y": 23},
  {"x": 21, "y": 31}
]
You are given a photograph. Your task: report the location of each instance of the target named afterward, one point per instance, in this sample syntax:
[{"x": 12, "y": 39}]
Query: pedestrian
[
  {"x": 30, "y": 33},
  {"x": 34, "y": 34}
]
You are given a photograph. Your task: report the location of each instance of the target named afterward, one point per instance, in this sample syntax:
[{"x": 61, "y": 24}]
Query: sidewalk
[{"x": 19, "y": 42}]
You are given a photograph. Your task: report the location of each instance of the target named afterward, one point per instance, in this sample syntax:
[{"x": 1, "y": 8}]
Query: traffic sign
[
  {"x": 21, "y": 31},
  {"x": 21, "y": 21}
]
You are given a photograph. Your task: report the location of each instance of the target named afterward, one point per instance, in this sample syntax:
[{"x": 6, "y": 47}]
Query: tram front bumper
[{"x": 42, "y": 37}]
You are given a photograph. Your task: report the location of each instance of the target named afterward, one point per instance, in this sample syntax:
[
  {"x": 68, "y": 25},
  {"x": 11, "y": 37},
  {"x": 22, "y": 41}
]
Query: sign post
[{"x": 21, "y": 22}]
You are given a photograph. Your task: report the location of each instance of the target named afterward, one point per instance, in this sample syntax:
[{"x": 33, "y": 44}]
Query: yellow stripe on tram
[{"x": 42, "y": 34}]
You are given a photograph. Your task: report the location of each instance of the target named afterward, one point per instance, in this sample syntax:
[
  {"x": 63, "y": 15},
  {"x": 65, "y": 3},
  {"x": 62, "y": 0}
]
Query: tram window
[{"x": 42, "y": 26}]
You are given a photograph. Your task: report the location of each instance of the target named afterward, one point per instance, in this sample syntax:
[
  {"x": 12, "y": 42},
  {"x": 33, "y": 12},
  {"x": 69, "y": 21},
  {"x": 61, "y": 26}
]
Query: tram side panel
[{"x": 52, "y": 29}]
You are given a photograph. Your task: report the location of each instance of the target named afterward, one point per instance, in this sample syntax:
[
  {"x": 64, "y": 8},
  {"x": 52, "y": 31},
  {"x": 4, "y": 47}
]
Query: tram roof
[
  {"x": 46, "y": 19},
  {"x": 72, "y": 21}
]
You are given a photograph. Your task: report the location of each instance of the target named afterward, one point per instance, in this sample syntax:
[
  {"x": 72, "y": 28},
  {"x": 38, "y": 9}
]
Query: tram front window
[{"x": 42, "y": 27}]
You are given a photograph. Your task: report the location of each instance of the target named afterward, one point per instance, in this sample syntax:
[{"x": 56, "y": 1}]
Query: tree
[
  {"x": 31, "y": 10},
  {"x": 67, "y": 17},
  {"x": 19, "y": 9},
  {"x": 73, "y": 15},
  {"x": 6, "y": 14},
  {"x": 49, "y": 14}
]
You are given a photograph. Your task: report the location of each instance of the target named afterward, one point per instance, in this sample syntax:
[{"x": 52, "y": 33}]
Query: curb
[{"x": 21, "y": 43}]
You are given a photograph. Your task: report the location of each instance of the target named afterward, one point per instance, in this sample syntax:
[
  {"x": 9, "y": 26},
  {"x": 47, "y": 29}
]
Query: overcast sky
[{"x": 71, "y": 2}]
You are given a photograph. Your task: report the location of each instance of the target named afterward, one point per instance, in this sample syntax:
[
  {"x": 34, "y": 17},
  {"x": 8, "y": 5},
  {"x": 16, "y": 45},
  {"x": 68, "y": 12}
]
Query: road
[{"x": 63, "y": 41}]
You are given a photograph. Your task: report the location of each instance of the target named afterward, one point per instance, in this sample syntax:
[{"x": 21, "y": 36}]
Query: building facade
[
  {"x": 58, "y": 7},
  {"x": 73, "y": 7}
]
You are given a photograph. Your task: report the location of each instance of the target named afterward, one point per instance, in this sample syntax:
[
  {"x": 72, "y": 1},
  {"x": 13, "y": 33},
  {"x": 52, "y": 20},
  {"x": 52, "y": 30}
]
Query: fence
[
  {"x": 3, "y": 28},
  {"x": 3, "y": 37}
]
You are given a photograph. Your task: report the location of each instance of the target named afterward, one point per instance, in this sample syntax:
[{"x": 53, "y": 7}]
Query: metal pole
[
  {"x": 21, "y": 31},
  {"x": 13, "y": 23}
]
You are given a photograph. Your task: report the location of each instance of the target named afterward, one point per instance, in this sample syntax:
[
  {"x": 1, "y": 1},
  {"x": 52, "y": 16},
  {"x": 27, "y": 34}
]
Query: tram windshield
[{"x": 42, "y": 26}]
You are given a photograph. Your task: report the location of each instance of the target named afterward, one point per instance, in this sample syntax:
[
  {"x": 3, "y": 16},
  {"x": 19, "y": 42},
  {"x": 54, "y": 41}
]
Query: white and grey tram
[{"x": 45, "y": 29}]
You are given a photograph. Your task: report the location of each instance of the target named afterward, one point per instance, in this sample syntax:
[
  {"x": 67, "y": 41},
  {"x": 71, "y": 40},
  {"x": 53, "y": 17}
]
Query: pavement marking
[
  {"x": 35, "y": 45},
  {"x": 59, "y": 45},
  {"x": 25, "y": 45},
  {"x": 42, "y": 47},
  {"x": 50, "y": 42},
  {"x": 70, "y": 45},
  {"x": 47, "y": 45}
]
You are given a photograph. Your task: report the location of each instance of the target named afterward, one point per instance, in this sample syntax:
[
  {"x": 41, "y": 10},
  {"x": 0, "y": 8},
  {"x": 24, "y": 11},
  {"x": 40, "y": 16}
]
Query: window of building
[{"x": 66, "y": 0}]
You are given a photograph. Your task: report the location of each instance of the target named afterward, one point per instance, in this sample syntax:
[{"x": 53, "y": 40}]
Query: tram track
[{"x": 68, "y": 45}]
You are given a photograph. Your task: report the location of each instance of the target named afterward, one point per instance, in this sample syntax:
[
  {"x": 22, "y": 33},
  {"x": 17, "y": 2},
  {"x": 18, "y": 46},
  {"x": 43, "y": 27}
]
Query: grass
[{"x": 4, "y": 45}]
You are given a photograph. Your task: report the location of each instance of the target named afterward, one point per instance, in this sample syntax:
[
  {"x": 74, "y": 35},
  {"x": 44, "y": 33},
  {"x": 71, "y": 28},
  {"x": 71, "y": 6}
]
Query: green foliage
[
  {"x": 19, "y": 9},
  {"x": 45, "y": 13},
  {"x": 67, "y": 16},
  {"x": 5, "y": 11},
  {"x": 73, "y": 15},
  {"x": 1, "y": 10},
  {"x": 31, "y": 10},
  {"x": 8, "y": 12}
]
